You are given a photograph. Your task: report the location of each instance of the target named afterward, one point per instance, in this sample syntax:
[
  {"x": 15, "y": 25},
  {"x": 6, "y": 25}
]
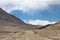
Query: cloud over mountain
[
  {"x": 40, "y": 22},
  {"x": 26, "y": 5}
]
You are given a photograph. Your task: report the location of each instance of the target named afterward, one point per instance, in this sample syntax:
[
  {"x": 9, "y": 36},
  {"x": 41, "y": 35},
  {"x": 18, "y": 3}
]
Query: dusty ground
[{"x": 32, "y": 35}]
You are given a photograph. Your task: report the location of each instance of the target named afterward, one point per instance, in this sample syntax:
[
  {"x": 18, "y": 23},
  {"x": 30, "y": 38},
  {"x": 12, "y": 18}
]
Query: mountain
[
  {"x": 9, "y": 22},
  {"x": 55, "y": 26},
  {"x": 4, "y": 16}
]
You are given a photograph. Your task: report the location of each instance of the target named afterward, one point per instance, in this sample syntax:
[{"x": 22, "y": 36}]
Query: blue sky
[
  {"x": 53, "y": 15},
  {"x": 37, "y": 12}
]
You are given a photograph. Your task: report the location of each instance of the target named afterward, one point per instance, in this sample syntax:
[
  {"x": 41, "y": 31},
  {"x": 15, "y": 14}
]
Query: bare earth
[{"x": 32, "y": 35}]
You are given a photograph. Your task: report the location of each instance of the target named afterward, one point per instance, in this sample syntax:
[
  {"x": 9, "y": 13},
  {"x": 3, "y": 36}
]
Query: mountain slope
[
  {"x": 4, "y": 16},
  {"x": 55, "y": 26},
  {"x": 9, "y": 22}
]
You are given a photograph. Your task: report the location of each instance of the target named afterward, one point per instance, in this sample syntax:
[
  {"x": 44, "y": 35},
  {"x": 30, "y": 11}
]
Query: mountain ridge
[{"x": 10, "y": 23}]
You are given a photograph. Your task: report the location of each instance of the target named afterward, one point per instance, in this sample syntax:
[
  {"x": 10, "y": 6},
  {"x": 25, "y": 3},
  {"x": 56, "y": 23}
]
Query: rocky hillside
[
  {"x": 4, "y": 16},
  {"x": 9, "y": 22},
  {"x": 55, "y": 26}
]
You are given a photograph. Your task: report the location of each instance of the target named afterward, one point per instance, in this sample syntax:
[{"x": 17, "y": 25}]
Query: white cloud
[
  {"x": 26, "y": 5},
  {"x": 39, "y": 22}
]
